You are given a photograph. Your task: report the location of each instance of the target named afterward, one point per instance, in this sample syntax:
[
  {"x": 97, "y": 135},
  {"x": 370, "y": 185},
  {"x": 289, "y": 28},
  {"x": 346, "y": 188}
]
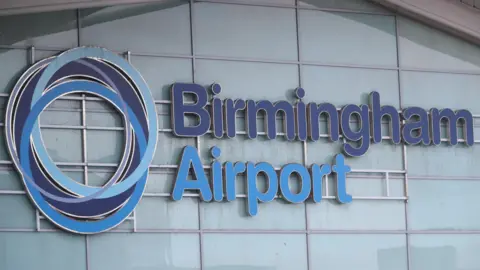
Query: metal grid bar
[
  {"x": 404, "y": 147},
  {"x": 268, "y": 231},
  {"x": 297, "y": 5},
  {"x": 304, "y": 143},
  {"x": 266, "y": 61},
  {"x": 191, "y": 5}
]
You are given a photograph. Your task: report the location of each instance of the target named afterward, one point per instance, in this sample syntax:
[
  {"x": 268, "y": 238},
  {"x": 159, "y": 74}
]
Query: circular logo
[{"x": 69, "y": 204}]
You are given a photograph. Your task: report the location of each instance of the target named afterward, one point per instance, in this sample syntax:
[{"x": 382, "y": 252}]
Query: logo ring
[{"x": 62, "y": 200}]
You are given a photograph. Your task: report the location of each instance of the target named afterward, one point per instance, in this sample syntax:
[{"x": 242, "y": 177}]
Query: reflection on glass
[
  {"x": 153, "y": 28},
  {"x": 365, "y": 252},
  {"x": 445, "y": 252},
  {"x": 422, "y": 46},
  {"x": 347, "y": 38},
  {"x": 272, "y": 215},
  {"x": 245, "y": 31},
  {"x": 33, "y": 250},
  {"x": 444, "y": 205},
  {"x": 254, "y": 252},
  {"x": 356, "y": 5},
  {"x": 49, "y": 29},
  {"x": 113, "y": 251}
]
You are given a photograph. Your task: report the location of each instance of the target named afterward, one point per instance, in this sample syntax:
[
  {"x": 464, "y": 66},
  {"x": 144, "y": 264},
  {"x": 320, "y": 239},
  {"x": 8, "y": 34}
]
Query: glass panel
[
  {"x": 10, "y": 179},
  {"x": 105, "y": 146},
  {"x": 382, "y": 215},
  {"x": 422, "y": 46},
  {"x": 372, "y": 252},
  {"x": 254, "y": 251},
  {"x": 276, "y": 215},
  {"x": 52, "y": 251},
  {"x": 161, "y": 28},
  {"x": 257, "y": 81},
  {"x": 384, "y": 156},
  {"x": 444, "y": 252},
  {"x": 78, "y": 176},
  {"x": 160, "y": 181},
  {"x": 444, "y": 204},
  {"x": 169, "y": 148},
  {"x": 102, "y": 114},
  {"x": 17, "y": 62},
  {"x": 19, "y": 213},
  {"x": 440, "y": 90},
  {"x": 347, "y": 38},
  {"x": 104, "y": 119},
  {"x": 358, "y": 5},
  {"x": 274, "y": 38},
  {"x": 163, "y": 213},
  {"x": 160, "y": 73},
  {"x": 62, "y": 112},
  {"x": 63, "y": 145},
  {"x": 436, "y": 160},
  {"x": 4, "y": 155},
  {"x": 50, "y": 29},
  {"x": 112, "y": 251},
  {"x": 61, "y": 118},
  {"x": 341, "y": 86},
  {"x": 276, "y": 152},
  {"x": 42, "y": 54},
  {"x": 99, "y": 178}
]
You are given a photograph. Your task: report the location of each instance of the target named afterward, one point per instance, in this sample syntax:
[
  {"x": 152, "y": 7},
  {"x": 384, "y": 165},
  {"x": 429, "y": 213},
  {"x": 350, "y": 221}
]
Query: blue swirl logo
[{"x": 71, "y": 205}]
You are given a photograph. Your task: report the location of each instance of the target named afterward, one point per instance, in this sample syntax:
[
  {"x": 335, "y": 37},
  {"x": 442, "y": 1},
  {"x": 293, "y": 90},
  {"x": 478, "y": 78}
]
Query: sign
[
  {"x": 67, "y": 203},
  {"x": 300, "y": 122},
  {"x": 86, "y": 210}
]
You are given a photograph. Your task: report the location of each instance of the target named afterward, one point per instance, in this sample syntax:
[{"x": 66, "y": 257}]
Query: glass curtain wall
[{"x": 414, "y": 208}]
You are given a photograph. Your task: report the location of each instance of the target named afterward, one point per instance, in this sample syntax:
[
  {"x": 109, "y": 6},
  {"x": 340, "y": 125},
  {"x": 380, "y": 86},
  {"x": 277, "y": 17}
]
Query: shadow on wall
[
  {"x": 14, "y": 29},
  {"x": 17, "y": 28},
  {"x": 423, "y": 36}
]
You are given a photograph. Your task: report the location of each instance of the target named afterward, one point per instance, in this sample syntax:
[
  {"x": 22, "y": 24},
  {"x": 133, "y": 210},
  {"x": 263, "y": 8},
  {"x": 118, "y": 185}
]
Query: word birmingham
[{"x": 300, "y": 122}]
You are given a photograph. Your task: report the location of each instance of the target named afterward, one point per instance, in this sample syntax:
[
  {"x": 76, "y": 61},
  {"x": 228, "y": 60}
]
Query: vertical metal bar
[
  {"x": 134, "y": 218},
  {"x": 84, "y": 140},
  {"x": 79, "y": 27},
  {"x": 37, "y": 214},
  {"x": 387, "y": 184},
  {"x": 404, "y": 147},
  {"x": 304, "y": 143},
  {"x": 134, "y": 213},
  {"x": 326, "y": 186},
  {"x": 37, "y": 220},
  {"x": 85, "y": 171},
  {"x": 32, "y": 55},
  {"x": 87, "y": 252},
  {"x": 197, "y": 139}
]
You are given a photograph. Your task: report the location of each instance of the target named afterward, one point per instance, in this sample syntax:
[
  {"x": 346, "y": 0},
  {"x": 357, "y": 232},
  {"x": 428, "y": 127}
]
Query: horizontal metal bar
[
  {"x": 264, "y": 231},
  {"x": 293, "y": 6},
  {"x": 219, "y": 58}
]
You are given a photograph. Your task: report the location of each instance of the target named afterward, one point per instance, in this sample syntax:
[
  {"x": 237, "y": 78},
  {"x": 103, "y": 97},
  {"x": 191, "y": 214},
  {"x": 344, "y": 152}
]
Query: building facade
[{"x": 414, "y": 206}]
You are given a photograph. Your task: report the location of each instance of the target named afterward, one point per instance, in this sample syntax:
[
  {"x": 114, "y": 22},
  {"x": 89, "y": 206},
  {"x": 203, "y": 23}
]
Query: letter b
[{"x": 180, "y": 109}]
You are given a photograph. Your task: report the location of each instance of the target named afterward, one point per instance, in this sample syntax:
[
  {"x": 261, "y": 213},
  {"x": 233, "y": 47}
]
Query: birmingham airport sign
[{"x": 84, "y": 209}]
